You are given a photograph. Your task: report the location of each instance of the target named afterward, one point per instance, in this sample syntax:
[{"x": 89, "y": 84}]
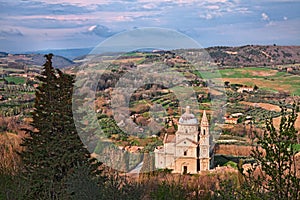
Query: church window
[
  {"x": 203, "y": 131},
  {"x": 185, "y": 153},
  {"x": 186, "y": 131}
]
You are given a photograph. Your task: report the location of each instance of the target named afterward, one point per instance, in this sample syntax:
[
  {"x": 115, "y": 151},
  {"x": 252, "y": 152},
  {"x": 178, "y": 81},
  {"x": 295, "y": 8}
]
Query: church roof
[
  {"x": 186, "y": 139},
  {"x": 188, "y": 118},
  {"x": 204, "y": 121}
]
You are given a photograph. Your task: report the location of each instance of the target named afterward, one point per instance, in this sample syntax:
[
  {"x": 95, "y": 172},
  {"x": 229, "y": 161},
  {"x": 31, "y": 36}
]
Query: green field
[
  {"x": 16, "y": 80},
  {"x": 264, "y": 78}
]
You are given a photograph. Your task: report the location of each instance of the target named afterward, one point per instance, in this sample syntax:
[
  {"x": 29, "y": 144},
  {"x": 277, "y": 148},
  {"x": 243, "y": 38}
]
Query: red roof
[{"x": 169, "y": 138}]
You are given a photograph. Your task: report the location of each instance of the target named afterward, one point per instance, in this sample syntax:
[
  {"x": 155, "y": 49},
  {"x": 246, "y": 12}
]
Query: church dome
[{"x": 188, "y": 118}]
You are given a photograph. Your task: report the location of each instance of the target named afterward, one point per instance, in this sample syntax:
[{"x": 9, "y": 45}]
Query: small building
[
  {"x": 248, "y": 120},
  {"x": 236, "y": 115},
  {"x": 231, "y": 120},
  {"x": 289, "y": 69},
  {"x": 245, "y": 89},
  {"x": 133, "y": 149}
]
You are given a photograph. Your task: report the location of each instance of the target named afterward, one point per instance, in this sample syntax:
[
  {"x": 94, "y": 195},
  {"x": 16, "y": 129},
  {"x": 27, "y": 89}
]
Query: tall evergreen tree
[{"x": 53, "y": 149}]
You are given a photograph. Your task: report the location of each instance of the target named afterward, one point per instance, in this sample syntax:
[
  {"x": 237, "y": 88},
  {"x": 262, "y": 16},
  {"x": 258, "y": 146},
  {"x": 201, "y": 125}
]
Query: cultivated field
[{"x": 264, "y": 78}]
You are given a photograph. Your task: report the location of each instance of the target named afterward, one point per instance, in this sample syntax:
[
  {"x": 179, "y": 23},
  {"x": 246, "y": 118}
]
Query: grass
[
  {"x": 296, "y": 147},
  {"x": 251, "y": 72},
  {"x": 224, "y": 160},
  {"x": 132, "y": 54},
  {"x": 231, "y": 164},
  {"x": 16, "y": 80},
  {"x": 267, "y": 79}
]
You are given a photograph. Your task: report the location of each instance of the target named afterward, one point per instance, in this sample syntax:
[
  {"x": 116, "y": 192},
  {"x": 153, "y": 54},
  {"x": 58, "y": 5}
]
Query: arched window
[
  {"x": 185, "y": 153},
  {"x": 203, "y": 131}
]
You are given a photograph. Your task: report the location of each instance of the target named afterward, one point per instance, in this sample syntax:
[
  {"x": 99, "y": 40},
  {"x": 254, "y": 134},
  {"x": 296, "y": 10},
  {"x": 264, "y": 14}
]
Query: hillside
[
  {"x": 242, "y": 56},
  {"x": 249, "y": 55},
  {"x": 255, "y": 55}
]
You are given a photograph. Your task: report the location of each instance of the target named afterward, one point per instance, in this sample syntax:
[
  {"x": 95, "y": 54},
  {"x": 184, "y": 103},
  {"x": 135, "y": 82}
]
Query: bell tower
[{"x": 204, "y": 143}]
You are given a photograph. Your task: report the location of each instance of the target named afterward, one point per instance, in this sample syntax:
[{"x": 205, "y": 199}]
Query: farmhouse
[
  {"x": 188, "y": 151},
  {"x": 245, "y": 89},
  {"x": 234, "y": 115},
  {"x": 231, "y": 120}
]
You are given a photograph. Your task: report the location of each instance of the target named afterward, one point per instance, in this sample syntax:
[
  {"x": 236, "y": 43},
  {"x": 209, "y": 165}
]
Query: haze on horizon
[{"x": 63, "y": 24}]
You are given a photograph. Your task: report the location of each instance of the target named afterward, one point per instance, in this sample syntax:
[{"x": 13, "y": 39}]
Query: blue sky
[{"x": 54, "y": 24}]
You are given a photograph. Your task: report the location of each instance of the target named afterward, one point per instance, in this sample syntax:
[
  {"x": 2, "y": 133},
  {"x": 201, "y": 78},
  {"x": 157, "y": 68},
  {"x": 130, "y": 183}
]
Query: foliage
[
  {"x": 119, "y": 187},
  {"x": 273, "y": 175},
  {"x": 110, "y": 127},
  {"x": 170, "y": 191},
  {"x": 12, "y": 187},
  {"x": 231, "y": 164},
  {"x": 54, "y": 148},
  {"x": 82, "y": 185}
]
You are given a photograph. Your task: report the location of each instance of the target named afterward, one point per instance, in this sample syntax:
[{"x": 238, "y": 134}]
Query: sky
[{"x": 28, "y": 25}]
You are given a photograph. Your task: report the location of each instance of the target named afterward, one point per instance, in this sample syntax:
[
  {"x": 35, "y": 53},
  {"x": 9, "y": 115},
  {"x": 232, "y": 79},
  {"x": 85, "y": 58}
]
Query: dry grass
[
  {"x": 9, "y": 148},
  {"x": 231, "y": 149},
  {"x": 262, "y": 73},
  {"x": 127, "y": 60},
  {"x": 261, "y": 83},
  {"x": 10, "y": 140},
  {"x": 265, "y": 106},
  {"x": 276, "y": 122},
  {"x": 206, "y": 181}
]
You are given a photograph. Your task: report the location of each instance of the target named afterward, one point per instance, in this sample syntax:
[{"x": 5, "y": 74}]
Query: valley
[{"x": 254, "y": 91}]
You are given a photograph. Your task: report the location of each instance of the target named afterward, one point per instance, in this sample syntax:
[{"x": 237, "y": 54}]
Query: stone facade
[{"x": 188, "y": 151}]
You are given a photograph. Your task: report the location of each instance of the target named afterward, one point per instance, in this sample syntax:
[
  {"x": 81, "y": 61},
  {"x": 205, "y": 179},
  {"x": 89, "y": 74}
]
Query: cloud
[
  {"x": 80, "y": 23},
  {"x": 49, "y": 22},
  {"x": 265, "y": 17},
  {"x": 213, "y": 7},
  {"x": 99, "y": 30},
  {"x": 31, "y": 8},
  {"x": 271, "y": 23},
  {"x": 206, "y": 16},
  {"x": 10, "y": 32},
  {"x": 209, "y": 9},
  {"x": 149, "y": 6},
  {"x": 77, "y": 2}
]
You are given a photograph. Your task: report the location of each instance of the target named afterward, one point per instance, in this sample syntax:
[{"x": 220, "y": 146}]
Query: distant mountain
[
  {"x": 67, "y": 53},
  {"x": 19, "y": 61},
  {"x": 3, "y": 54},
  {"x": 58, "y": 61}
]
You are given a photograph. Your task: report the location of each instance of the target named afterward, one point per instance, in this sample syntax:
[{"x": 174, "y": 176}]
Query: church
[{"x": 189, "y": 150}]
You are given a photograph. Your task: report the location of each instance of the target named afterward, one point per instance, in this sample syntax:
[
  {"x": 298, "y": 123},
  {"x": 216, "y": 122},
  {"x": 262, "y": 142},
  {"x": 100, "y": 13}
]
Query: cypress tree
[
  {"x": 53, "y": 149},
  {"x": 273, "y": 175}
]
